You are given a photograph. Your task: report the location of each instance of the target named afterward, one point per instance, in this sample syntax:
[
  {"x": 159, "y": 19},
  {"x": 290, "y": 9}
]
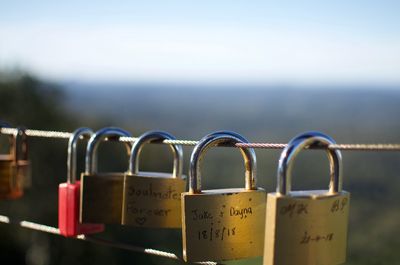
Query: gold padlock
[
  {"x": 307, "y": 227},
  {"x": 15, "y": 170},
  {"x": 153, "y": 199},
  {"x": 222, "y": 224},
  {"x": 101, "y": 193}
]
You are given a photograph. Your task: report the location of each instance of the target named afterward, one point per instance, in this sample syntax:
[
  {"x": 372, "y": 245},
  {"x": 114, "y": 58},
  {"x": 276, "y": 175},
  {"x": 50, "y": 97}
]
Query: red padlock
[{"x": 69, "y": 195}]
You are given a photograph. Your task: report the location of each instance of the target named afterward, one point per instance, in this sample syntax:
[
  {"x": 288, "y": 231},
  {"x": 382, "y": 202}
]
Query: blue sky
[{"x": 271, "y": 42}]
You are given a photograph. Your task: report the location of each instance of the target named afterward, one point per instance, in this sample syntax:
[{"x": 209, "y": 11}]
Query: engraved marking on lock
[
  {"x": 133, "y": 209},
  {"x": 152, "y": 202},
  {"x": 294, "y": 208},
  {"x": 219, "y": 232},
  {"x": 242, "y": 212},
  {"x": 216, "y": 222},
  {"x": 212, "y": 233},
  {"x": 216, "y": 234},
  {"x": 149, "y": 192},
  {"x": 339, "y": 205},
  {"x": 140, "y": 220},
  {"x": 201, "y": 215},
  {"x": 317, "y": 238},
  {"x": 305, "y": 233}
]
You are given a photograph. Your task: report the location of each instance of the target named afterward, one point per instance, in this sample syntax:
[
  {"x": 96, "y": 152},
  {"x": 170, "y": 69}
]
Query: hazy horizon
[
  {"x": 307, "y": 43},
  {"x": 72, "y": 85}
]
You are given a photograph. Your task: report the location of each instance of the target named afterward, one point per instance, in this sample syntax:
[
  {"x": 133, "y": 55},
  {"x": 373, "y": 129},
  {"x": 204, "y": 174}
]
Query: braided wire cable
[
  {"x": 344, "y": 147},
  {"x": 66, "y": 135},
  {"x": 55, "y": 231}
]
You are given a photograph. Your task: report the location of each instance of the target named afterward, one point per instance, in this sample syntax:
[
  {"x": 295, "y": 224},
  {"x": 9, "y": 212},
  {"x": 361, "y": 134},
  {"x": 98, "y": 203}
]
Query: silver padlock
[
  {"x": 222, "y": 224},
  {"x": 153, "y": 199},
  {"x": 101, "y": 193},
  {"x": 307, "y": 227}
]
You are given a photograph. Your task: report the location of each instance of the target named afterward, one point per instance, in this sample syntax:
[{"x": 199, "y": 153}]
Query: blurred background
[{"x": 268, "y": 70}]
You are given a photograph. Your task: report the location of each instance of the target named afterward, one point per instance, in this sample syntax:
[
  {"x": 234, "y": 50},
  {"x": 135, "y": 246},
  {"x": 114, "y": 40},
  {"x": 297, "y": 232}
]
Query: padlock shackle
[
  {"x": 72, "y": 153},
  {"x": 235, "y": 134},
  {"x": 151, "y": 137},
  {"x": 20, "y": 145},
  {"x": 216, "y": 139},
  {"x": 303, "y": 141},
  {"x": 93, "y": 144}
]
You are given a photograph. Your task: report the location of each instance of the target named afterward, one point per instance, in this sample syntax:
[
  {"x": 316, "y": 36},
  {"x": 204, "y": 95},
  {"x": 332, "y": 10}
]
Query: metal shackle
[
  {"x": 71, "y": 159},
  {"x": 215, "y": 139},
  {"x": 235, "y": 134},
  {"x": 300, "y": 142},
  {"x": 93, "y": 144},
  {"x": 20, "y": 145},
  {"x": 156, "y": 136}
]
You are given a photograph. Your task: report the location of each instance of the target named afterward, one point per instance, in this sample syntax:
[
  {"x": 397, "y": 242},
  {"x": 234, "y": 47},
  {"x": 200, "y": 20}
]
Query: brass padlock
[
  {"x": 101, "y": 193},
  {"x": 153, "y": 199},
  {"x": 307, "y": 227},
  {"x": 15, "y": 170},
  {"x": 222, "y": 224}
]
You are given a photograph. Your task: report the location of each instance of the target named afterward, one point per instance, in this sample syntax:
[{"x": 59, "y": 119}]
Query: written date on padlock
[
  {"x": 212, "y": 222},
  {"x": 219, "y": 232},
  {"x": 221, "y": 221},
  {"x": 302, "y": 209},
  {"x": 300, "y": 228}
]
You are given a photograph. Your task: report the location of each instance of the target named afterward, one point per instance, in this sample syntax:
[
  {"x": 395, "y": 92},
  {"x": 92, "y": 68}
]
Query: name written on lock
[
  {"x": 219, "y": 232},
  {"x": 218, "y": 222},
  {"x": 149, "y": 204},
  {"x": 168, "y": 194},
  {"x": 243, "y": 213},
  {"x": 299, "y": 209}
]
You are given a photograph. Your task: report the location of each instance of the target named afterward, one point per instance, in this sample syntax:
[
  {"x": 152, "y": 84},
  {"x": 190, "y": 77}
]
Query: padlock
[
  {"x": 7, "y": 171},
  {"x": 222, "y": 224},
  {"x": 23, "y": 165},
  {"x": 101, "y": 193},
  {"x": 15, "y": 170},
  {"x": 153, "y": 199},
  {"x": 69, "y": 195},
  {"x": 307, "y": 227}
]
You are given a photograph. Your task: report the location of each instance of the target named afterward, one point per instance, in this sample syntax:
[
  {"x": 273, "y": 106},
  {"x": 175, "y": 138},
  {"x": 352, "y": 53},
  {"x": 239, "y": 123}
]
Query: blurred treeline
[
  {"x": 27, "y": 101},
  {"x": 354, "y": 116}
]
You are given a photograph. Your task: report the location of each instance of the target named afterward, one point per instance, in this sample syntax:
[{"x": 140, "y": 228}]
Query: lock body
[
  {"x": 14, "y": 177},
  {"x": 306, "y": 228},
  {"x": 223, "y": 224},
  {"x": 7, "y": 186},
  {"x": 24, "y": 173},
  {"x": 68, "y": 212},
  {"x": 101, "y": 198},
  {"x": 152, "y": 199}
]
